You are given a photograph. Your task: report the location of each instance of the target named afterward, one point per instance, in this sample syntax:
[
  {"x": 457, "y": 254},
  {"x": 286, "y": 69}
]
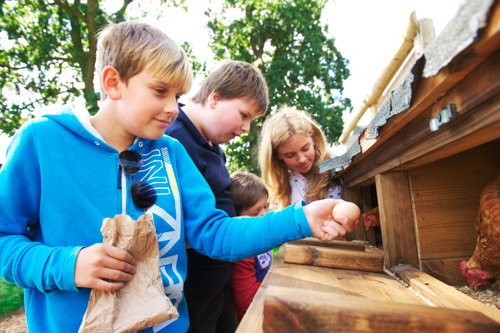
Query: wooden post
[
  {"x": 368, "y": 204},
  {"x": 353, "y": 194},
  {"x": 396, "y": 219}
]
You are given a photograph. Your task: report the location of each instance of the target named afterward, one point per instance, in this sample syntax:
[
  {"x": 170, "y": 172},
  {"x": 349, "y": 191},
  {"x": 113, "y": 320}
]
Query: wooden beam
[
  {"x": 371, "y": 260},
  {"x": 440, "y": 293},
  {"x": 355, "y": 195},
  {"x": 378, "y": 286},
  {"x": 396, "y": 219},
  {"x": 478, "y": 121},
  {"x": 291, "y": 310},
  {"x": 335, "y": 244},
  {"x": 445, "y": 210},
  {"x": 369, "y": 196},
  {"x": 471, "y": 130},
  {"x": 474, "y": 73},
  {"x": 445, "y": 270},
  {"x": 430, "y": 89}
]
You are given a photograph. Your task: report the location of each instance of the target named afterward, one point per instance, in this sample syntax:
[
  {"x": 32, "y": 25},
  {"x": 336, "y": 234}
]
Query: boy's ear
[
  {"x": 213, "y": 99},
  {"x": 111, "y": 82}
]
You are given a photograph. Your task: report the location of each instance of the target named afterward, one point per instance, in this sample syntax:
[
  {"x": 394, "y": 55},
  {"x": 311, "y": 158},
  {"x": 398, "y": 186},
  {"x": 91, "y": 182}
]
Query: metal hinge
[{"x": 443, "y": 117}]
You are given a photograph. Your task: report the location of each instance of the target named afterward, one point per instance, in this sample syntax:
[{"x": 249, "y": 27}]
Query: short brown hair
[
  {"x": 235, "y": 79},
  {"x": 134, "y": 46},
  {"x": 246, "y": 189}
]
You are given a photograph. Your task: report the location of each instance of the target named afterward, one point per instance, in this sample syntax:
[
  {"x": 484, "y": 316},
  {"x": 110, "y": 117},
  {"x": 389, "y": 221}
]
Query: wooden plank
[
  {"x": 445, "y": 209},
  {"x": 437, "y": 182},
  {"x": 415, "y": 141},
  {"x": 288, "y": 275},
  {"x": 441, "y": 294},
  {"x": 371, "y": 260},
  {"x": 335, "y": 244},
  {"x": 469, "y": 131},
  {"x": 288, "y": 310},
  {"x": 354, "y": 195},
  {"x": 445, "y": 270},
  {"x": 375, "y": 286},
  {"x": 327, "y": 280},
  {"x": 446, "y": 230},
  {"x": 396, "y": 219},
  {"x": 369, "y": 196},
  {"x": 301, "y": 276},
  {"x": 405, "y": 153}
]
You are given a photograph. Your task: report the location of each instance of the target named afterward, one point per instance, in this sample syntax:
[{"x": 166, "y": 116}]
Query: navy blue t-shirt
[{"x": 211, "y": 161}]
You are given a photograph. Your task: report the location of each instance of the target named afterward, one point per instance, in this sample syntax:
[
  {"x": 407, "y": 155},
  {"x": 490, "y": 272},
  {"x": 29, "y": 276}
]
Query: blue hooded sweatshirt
[{"x": 60, "y": 180}]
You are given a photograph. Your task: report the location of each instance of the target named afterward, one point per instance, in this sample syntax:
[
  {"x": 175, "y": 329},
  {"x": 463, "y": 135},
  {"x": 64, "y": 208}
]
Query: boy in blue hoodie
[{"x": 65, "y": 172}]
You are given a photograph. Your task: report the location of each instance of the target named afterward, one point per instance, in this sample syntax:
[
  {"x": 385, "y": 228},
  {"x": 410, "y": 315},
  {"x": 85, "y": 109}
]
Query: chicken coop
[{"x": 431, "y": 148}]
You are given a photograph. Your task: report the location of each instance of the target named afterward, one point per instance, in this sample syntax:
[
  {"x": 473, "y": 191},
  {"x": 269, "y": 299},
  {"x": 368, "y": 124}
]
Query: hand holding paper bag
[{"x": 140, "y": 303}]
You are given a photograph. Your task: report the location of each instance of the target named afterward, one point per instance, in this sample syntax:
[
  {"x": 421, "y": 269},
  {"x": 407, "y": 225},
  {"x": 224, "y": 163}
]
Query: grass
[
  {"x": 11, "y": 297},
  {"x": 275, "y": 251}
]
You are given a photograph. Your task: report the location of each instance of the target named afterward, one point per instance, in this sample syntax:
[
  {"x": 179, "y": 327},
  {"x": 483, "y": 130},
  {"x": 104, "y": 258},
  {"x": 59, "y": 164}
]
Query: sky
[{"x": 366, "y": 32}]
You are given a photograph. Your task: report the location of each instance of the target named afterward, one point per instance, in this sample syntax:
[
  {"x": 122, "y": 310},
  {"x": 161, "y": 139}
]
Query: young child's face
[
  {"x": 147, "y": 106},
  {"x": 231, "y": 118},
  {"x": 259, "y": 209},
  {"x": 298, "y": 153}
]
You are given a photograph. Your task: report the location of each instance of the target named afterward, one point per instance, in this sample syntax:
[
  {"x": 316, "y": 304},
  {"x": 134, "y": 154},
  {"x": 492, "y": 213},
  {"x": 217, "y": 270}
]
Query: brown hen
[
  {"x": 484, "y": 265},
  {"x": 372, "y": 218}
]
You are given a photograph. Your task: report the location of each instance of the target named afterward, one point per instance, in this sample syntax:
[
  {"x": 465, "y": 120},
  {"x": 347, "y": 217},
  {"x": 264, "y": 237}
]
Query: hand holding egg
[
  {"x": 321, "y": 215},
  {"x": 347, "y": 209}
]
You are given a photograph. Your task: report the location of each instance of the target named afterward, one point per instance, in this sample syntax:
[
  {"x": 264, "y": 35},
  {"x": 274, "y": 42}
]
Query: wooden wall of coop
[
  {"x": 425, "y": 166},
  {"x": 432, "y": 146}
]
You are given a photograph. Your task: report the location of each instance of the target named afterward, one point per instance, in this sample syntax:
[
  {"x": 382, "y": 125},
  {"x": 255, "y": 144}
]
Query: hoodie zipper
[{"x": 122, "y": 185}]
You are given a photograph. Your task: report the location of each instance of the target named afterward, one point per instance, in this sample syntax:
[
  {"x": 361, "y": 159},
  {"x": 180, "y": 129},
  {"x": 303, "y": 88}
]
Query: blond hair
[
  {"x": 276, "y": 131},
  {"x": 134, "y": 46},
  {"x": 235, "y": 79},
  {"x": 246, "y": 190}
]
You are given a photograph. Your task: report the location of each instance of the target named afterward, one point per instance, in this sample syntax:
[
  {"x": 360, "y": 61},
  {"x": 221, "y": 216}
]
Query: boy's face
[
  {"x": 147, "y": 106},
  {"x": 228, "y": 118},
  {"x": 259, "y": 209}
]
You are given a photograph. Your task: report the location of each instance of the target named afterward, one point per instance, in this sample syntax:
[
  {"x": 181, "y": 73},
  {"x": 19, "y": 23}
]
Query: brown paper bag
[{"x": 141, "y": 302}]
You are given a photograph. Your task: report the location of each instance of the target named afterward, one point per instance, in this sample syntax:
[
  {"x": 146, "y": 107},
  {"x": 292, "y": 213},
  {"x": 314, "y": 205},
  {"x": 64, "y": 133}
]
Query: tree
[
  {"x": 303, "y": 69},
  {"x": 48, "y": 53}
]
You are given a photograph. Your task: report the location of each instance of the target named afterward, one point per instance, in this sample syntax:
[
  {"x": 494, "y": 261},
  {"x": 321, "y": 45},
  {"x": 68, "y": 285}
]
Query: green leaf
[
  {"x": 302, "y": 67},
  {"x": 47, "y": 54}
]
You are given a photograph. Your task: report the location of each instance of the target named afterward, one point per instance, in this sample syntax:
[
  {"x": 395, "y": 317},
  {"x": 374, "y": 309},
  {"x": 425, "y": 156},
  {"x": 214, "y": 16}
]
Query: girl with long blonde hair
[{"x": 292, "y": 145}]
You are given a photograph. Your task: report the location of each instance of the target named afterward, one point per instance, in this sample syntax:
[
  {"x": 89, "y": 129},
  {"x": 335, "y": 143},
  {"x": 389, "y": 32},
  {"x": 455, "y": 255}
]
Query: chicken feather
[{"x": 484, "y": 265}]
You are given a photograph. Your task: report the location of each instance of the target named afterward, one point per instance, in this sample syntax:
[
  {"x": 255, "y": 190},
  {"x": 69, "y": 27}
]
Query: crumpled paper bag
[{"x": 141, "y": 302}]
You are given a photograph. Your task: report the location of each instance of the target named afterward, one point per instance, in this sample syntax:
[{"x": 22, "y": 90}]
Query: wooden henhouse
[{"x": 431, "y": 147}]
